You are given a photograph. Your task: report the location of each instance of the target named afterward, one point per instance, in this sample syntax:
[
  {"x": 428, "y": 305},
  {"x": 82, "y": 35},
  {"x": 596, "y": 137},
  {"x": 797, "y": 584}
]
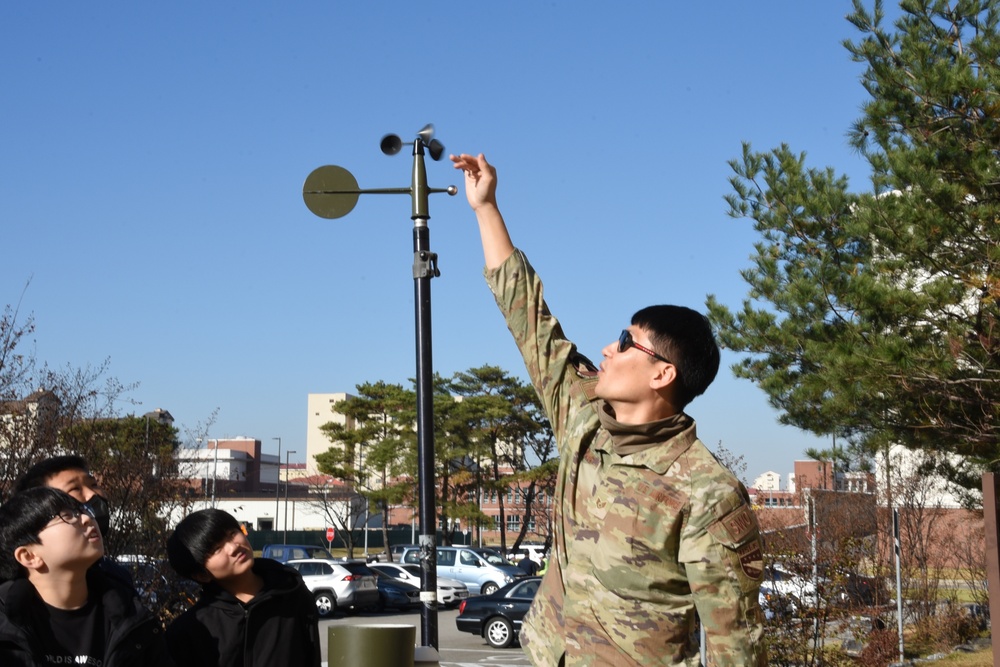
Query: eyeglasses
[
  {"x": 625, "y": 341},
  {"x": 71, "y": 516}
]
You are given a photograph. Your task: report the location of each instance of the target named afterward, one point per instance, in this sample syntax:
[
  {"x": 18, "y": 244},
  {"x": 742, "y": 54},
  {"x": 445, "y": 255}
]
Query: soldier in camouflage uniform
[{"x": 649, "y": 527}]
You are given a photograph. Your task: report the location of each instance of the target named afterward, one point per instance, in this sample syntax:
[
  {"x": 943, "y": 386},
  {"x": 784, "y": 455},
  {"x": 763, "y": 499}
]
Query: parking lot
[{"x": 456, "y": 649}]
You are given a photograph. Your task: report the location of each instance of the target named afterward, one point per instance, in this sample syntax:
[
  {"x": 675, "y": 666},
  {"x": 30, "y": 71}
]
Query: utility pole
[{"x": 284, "y": 533}]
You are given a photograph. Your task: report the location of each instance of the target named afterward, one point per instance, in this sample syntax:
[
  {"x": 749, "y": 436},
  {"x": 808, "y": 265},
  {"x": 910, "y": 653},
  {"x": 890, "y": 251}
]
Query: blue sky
[{"x": 152, "y": 161}]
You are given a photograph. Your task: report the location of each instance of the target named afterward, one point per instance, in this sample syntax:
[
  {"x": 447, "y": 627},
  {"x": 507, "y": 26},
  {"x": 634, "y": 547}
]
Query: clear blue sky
[{"x": 152, "y": 161}]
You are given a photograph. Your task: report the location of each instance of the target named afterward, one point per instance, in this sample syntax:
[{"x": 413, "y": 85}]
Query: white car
[
  {"x": 784, "y": 583},
  {"x": 449, "y": 591},
  {"x": 335, "y": 586}
]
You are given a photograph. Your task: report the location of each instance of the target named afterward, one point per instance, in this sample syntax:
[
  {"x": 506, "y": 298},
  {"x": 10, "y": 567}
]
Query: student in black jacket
[
  {"x": 252, "y": 612},
  {"x": 55, "y": 609}
]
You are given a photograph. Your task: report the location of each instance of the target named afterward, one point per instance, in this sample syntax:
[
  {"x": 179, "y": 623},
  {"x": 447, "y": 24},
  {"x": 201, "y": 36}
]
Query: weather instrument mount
[{"x": 333, "y": 192}]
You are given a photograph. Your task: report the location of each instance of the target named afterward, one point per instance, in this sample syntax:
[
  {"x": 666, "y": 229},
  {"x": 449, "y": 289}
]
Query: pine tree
[{"x": 874, "y": 315}]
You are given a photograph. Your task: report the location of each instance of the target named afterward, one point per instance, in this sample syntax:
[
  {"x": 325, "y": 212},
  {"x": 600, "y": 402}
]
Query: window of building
[{"x": 513, "y": 522}]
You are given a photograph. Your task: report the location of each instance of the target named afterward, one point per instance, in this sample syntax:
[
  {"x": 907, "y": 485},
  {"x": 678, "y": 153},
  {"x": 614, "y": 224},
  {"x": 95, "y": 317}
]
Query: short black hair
[
  {"x": 22, "y": 518},
  {"x": 683, "y": 336},
  {"x": 197, "y": 537},
  {"x": 40, "y": 473}
]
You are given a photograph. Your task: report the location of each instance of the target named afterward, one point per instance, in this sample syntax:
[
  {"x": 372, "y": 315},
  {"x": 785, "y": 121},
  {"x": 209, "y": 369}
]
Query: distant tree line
[{"x": 489, "y": 435}]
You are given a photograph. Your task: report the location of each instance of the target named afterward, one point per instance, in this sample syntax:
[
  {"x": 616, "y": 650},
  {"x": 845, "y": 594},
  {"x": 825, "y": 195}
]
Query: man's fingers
[{"x": 463, "y": 161}]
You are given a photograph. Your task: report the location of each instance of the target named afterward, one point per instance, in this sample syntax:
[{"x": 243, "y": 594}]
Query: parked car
[
  {"x": 858, "y": 590},
  {"x": 535, "y": 552},
  {"x": 774, "y": 604},
  {"x": 286, "y": 552},
  {"x": 497, "y": 617},
  {"x": 398, "y": 550},
  {"x": 481, "y": 570},
  {"x": 392, "y": 593},
  {"x": 449, "y": 591},
  {"x": 789, "y": 584},
  {"x": 333, "y": 585},
  {"x": 159, "y": 587}
]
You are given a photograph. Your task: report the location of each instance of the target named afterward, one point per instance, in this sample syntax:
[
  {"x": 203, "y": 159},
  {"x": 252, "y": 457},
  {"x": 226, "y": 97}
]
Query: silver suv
[
  {"x": 482, "y": 570},
  {"x": 335, "y": 586}
]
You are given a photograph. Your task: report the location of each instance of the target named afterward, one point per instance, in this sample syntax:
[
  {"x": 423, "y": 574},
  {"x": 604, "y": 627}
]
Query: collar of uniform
[{"x": 643, "y": 443}]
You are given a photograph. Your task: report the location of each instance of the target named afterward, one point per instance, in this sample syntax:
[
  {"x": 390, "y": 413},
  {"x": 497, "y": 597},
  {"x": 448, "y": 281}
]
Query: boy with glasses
[
  {"x": 251, "y": 611},
  {"x": 70, "y": 473},
  {"x": 55, "y": 609},
  {"x": 650, "y": 531}
]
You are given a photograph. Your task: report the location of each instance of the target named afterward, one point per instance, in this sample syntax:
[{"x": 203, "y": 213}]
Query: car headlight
[{"x": 508, "y": 578}]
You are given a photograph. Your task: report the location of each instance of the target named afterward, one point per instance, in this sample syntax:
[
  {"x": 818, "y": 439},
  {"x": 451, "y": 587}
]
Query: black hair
[
  {"x": 22, "y": 518},
  {"x": 683, "y": 336},
  {"x": 197, "y": 537},
  {"x": 40, "y": 473}
]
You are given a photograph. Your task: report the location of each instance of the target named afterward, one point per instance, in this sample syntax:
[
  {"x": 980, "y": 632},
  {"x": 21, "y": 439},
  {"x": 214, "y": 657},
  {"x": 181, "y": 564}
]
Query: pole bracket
[{"x": 425, "y": 265}]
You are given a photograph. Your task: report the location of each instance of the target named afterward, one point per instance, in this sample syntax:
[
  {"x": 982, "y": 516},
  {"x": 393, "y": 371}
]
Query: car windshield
[{"x": 492, "y": 557}]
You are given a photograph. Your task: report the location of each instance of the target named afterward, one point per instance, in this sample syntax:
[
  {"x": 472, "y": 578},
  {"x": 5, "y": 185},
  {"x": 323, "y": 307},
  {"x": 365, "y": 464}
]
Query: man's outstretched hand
[{"x": 480, "y": 179}]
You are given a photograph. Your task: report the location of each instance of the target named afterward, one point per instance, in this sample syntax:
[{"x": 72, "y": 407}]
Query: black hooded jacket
[
  {"x": 278, "y": 628},
  {"x": 136, "y": 637}
]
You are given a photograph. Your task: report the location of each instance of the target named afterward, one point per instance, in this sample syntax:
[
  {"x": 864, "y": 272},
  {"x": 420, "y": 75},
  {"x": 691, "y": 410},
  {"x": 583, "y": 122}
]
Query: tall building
[{"x": 320, "y": 412}]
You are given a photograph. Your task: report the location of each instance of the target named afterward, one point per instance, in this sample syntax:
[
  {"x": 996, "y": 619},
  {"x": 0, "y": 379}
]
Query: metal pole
[
  {"x": 215, "y": 471},
  {"x": 284, "y": 526},
  {"x": 899, "y": 581},
  {"x": 815, "y": 528},
  {"x": 991, "y": 515},
  {"x": 424, "y": 268},
  {"x": 277, "y": 485}
]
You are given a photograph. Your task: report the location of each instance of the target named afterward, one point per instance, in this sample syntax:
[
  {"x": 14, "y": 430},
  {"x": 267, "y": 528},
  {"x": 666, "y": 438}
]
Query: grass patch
[{"x": 982, "y": 658}]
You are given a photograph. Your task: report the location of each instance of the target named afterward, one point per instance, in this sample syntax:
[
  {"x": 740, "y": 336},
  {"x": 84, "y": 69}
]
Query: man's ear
[
  {"x": 202, "y": 577},
  {"x": 28, "y": 557},
  {"x": 664, "y": 378}
]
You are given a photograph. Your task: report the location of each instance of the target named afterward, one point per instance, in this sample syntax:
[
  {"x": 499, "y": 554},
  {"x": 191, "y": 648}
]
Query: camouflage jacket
[{"x": 648, "y": 529}]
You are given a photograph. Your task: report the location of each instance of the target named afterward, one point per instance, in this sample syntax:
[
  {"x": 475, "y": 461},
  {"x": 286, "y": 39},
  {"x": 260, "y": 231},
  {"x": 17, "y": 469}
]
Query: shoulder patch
[
  {"x": 586, "y": 374},
  {"x": 751, "y": 559},
  {"x": 583, "y": 366}
]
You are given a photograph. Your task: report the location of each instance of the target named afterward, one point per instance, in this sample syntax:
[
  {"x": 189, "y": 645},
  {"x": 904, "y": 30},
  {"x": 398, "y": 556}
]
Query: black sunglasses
[{"x": 625, "y": 341}]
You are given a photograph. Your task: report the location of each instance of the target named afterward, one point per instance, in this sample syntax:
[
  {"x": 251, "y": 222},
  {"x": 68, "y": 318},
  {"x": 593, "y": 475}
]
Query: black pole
[{"x": 424, "y": 268}]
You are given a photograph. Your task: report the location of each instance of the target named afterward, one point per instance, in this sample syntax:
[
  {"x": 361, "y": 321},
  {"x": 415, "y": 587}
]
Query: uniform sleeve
[
  {"x": 721, "y": 553},
  {"x": 552, "y": 361}
]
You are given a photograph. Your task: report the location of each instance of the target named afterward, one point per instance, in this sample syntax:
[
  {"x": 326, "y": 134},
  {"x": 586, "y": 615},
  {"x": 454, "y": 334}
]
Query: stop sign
[{"x": 329, "y": 534}]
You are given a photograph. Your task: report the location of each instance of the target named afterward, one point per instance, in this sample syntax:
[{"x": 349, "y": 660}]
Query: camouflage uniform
[{"x": 648, "y": 527}]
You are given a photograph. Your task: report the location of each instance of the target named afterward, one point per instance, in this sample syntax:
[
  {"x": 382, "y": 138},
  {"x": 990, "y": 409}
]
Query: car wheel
[
  {"x": 489, "y": 588},
  {"x": 499, "y": 633},
  {"x": 326, "y": 604}
]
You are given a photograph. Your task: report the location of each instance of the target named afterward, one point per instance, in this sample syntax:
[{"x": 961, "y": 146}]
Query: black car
[
  {"x": 161, "y": 589},
  {"x": 392, "y": 593},
  {"x": 497, "y": 617},
  {"x": 859, "y": 590}
]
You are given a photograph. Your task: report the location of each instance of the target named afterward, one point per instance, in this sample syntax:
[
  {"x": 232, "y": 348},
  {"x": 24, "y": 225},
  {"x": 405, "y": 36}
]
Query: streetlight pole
[
  {"x": 215, "y": 471},
  {"x": 284, "y": 534},
  {"x": 277, "y": 485}
]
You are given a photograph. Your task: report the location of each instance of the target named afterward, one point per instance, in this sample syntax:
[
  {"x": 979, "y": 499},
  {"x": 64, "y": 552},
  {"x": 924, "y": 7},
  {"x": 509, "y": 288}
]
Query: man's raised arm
[{"x": 481, "y": 191}]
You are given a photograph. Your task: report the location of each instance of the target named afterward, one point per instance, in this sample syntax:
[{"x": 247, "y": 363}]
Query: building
[
  {"x": 319, "y": 411},
  {"x": 31, "y": 423}
]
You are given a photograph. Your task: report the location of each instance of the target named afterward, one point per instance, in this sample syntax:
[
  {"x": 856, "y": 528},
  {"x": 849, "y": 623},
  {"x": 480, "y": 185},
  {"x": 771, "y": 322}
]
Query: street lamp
[
  {"x": 284, "y": 535},
  {"x": 215, "y": 471},
  {"x": 277, "y": 484}
]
